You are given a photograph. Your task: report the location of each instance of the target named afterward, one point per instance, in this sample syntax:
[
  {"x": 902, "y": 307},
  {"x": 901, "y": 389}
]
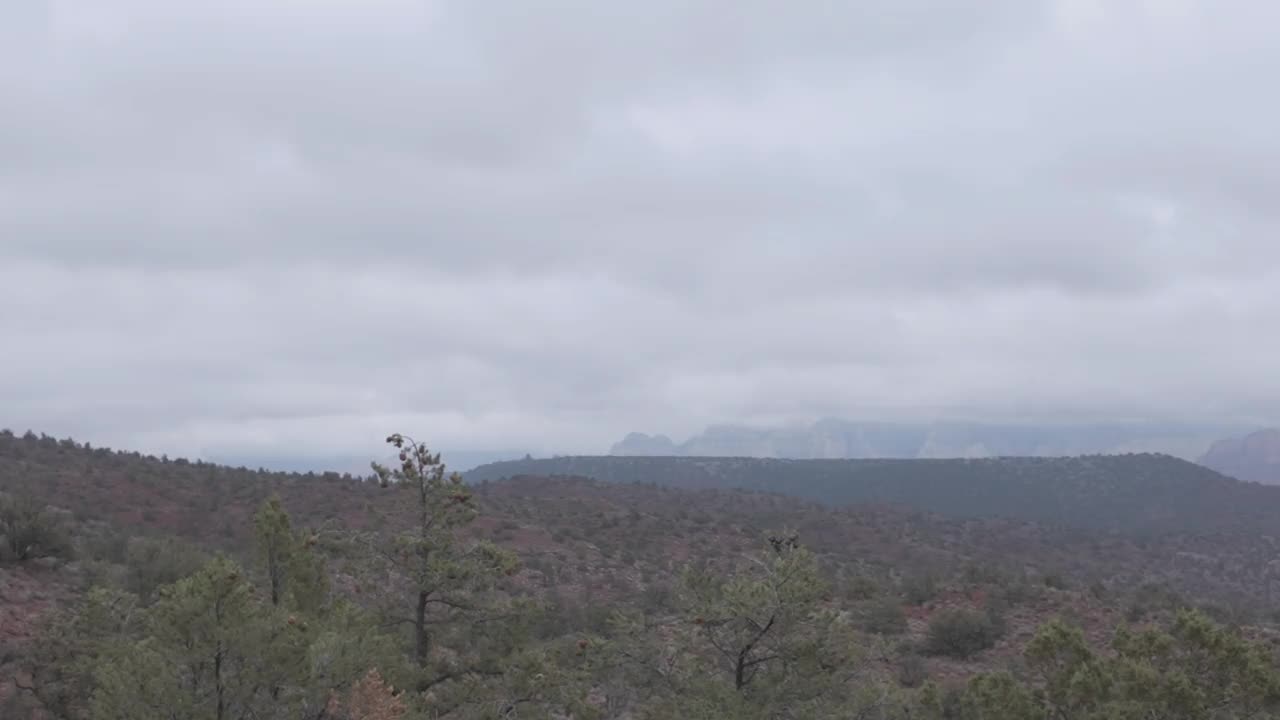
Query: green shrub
[
  {"x": 884, "y": 617},
  {"x": 1097, "y": 590},
  {"x": 861, "y": 587},
  {"x": 155, "y": 562},
  {"x": 30, "y": 531},
  {"x": 919, "y": 588},
  {"x": 981, "y": 573},
  {"x": 1018, "y": 592},
  {"x": 1055, "y": 581},
  {"x": 1150, "y": 599},
  {"x": 960, "y": 633},
  {"x": 911, "y": 671},
  {"x": 996, "y": 609}
]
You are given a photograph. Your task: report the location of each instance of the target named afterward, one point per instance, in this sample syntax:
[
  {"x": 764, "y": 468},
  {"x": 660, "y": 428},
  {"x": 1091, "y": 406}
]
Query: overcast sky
[{"x": 294, "y": 226}]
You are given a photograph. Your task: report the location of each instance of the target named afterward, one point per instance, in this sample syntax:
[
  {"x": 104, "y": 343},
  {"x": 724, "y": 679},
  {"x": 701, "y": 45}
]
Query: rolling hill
[{"x": 1138, "y": 493}]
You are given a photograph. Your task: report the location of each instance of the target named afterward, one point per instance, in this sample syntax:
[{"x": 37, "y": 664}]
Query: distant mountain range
[
  {"x": 1254, "y": 457},
  {"x": 842, "y": 439}
]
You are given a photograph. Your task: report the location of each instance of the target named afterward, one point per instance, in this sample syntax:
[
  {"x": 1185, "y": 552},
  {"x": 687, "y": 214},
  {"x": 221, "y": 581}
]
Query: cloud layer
[{"x": 295, "y": 226}]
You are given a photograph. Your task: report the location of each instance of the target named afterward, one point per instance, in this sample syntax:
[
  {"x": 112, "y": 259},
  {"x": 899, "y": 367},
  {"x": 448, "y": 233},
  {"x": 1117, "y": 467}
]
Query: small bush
[
  {"x": 960, "y": 633},
  {"x": 907, "y": 646},
  {"x": 1097, "y": 590},
  {"x": 919, "y": 588},
  {"x": 912, "y": 672},
  {"x": 154, "y": 562},
  {"x": 884, "y": 617},
  {"x": 1018, "y": 592},
  {"x": 30, "y": 531},
  {"x": 984, "y": 574},
  {"x": 861, "y": 587},
  {"x": 107, "y": 544},
  {"x": 1150, "y": 599},
  {"x": 996, "y": 609}
]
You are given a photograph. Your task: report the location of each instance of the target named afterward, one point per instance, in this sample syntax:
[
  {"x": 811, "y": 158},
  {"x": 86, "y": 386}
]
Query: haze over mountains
[
  {"x": 460, "y": 460},
  {"x": 1254, "y": 457},
  {"x": 835, "y": 439}
]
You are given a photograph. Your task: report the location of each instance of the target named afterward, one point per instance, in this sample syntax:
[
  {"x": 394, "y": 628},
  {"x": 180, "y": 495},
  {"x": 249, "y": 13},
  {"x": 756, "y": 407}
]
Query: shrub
[
  {"x": 657, "y": 596},
  {"x": 155, "y": 562},
  {"x": 884, "y": 617},
  {"x": 1097, "y": 590},
  {"x": 861, "y": 587},
  {"x": 996, "y": 608},
  {"x": 960, "y": 633},
  {"x": 31, "y": 531},
  {"x": 1150, "y": 599},
  {"x": 912, "y": 671},
  {"x": 981, "y": 573},
  {"x": 919, "y": 588},
  {"x": 1018, "y": 592}
]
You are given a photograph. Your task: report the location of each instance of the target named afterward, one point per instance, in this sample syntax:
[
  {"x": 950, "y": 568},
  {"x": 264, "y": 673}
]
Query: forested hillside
[
  {"x": 413, "y": 595},
  {"x": 1127, "y": 493}
]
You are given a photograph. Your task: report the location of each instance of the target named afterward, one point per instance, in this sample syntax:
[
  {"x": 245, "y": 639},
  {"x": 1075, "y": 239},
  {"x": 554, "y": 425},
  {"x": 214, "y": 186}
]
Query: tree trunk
[
  {"x": 420, "y": 630},
  {"x": 217, "y": 679},
  {"x": 273, "y": 572}
]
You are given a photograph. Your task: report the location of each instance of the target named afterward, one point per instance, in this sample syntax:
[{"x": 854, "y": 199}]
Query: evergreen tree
[
  {"x": 447, "y": 579},
  {"x": 212, "y": 651},
  {"x": 762, "y": 642},
  {"x": 75, "y": 642},
  {"x": 470, "y": 639},
  {"x": 296, "y": 577}
]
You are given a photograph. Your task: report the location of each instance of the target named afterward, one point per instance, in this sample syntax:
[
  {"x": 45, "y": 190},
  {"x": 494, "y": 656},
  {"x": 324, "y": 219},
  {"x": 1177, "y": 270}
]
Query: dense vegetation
[
  {"x": 412, "y": 594},
  {"x": 1128, "y": 493}
]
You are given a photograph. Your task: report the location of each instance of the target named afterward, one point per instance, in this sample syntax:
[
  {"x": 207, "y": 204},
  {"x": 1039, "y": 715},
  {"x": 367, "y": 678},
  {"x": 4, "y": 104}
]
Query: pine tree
[
  {"x": 447, "y": 579},
  {"x": 761, "y": 642},
  {"x": 73, "y": 643},
  {"x": 296, "y": 576},
  {"x": 212, "y": 651},
  {"x": 471, "y": 640}
]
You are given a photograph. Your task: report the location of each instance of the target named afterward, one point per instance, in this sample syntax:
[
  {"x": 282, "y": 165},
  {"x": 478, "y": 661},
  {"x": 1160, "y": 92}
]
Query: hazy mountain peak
[
  {"x": 1254, "y": 457},
  {"x": 641, "y": 444},
  {"x": 833, "y": 438}
]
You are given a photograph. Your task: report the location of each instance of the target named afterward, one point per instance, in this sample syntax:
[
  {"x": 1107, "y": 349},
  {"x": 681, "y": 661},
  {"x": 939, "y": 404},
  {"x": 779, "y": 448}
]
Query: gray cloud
[{"x": 260, "y": 226}]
